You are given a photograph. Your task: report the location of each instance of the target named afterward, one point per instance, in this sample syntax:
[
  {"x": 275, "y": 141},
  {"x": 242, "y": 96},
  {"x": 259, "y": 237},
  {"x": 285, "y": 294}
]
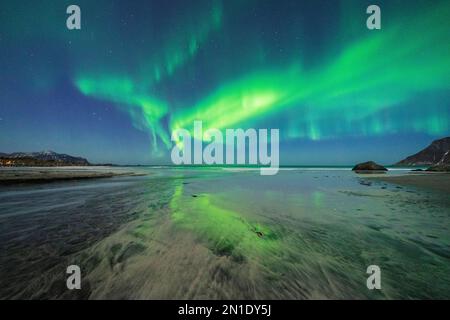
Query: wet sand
[
  {"x": 42, "y": 175},
  {"x": 432, "y": 181},
  {"x": 215, "y": 234}
]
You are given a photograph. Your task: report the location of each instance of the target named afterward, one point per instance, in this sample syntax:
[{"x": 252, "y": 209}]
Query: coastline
[
  {"x": 15, "y": 175},
  {"x": 433, "y": 181}
]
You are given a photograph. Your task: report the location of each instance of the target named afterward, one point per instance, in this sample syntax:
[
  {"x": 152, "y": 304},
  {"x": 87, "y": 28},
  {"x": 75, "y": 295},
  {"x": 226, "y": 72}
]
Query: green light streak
[
  {"x": 251, "y": 96},
  {"x": 181, "y": 45},
  {"x": 225, "y": 231},
  {"x": 130, "y": 94},
  {"x": 144, "y": 110},
  {"x": 342, "y": 96},
  {"x": 378, "y": 72}
]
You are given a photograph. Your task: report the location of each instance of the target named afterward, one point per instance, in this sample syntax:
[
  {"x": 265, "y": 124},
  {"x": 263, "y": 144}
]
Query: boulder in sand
[{"x": 369, "y": 167}]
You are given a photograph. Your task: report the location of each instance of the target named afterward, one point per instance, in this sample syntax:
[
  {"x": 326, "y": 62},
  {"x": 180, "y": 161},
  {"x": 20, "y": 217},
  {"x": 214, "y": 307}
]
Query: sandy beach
[
  {"x": 429, "y": 180},
  {"x": 209, "y": 233},
  {"x": 50, "y": 174}
]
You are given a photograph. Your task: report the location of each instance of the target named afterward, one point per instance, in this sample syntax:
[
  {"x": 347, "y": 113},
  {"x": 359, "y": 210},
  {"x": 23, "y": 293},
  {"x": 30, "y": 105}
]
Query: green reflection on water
[
  {"x": 318, "y": 197},
  {"x": 225, "y": 231}
]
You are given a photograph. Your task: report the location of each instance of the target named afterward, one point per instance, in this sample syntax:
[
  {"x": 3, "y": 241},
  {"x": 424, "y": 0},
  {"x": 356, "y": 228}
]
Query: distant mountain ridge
[
  {"x": 437, "y": 153},
  {"x": 43, "y": 158}
]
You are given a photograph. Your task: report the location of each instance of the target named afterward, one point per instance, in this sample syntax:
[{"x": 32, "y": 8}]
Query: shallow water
[{"x": 216, "y": 233}]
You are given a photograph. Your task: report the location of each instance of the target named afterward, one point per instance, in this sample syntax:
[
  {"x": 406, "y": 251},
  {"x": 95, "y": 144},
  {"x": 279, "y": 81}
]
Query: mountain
[
  {"x": 41, "y": 159},
  {"x": 438, "y": 152}
]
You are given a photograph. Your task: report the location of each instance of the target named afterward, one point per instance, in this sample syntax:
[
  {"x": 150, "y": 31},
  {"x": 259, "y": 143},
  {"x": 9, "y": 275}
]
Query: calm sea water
[{"x": 214, "y": 233}]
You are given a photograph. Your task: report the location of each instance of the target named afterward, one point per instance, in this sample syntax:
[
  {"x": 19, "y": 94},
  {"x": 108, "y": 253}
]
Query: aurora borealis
[{"x": 114, "y": 90}]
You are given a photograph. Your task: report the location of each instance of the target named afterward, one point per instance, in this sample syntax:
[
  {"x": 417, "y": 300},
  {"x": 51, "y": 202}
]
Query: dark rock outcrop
[
  {"x": 439, "y": 168},
  {"x": 437, "y": 153},
  {"x": 369, "y": 166},
  {"x": 40, "y": 159}
]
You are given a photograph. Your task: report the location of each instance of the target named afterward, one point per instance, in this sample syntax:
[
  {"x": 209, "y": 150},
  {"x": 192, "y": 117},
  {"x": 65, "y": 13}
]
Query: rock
[
  {"x": 439, "y": 168},
  {"x": 369, "y": 166}
]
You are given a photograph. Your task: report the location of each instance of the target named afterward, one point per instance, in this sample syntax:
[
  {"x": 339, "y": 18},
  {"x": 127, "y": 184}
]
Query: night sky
[{"x": 114, "y": 90}]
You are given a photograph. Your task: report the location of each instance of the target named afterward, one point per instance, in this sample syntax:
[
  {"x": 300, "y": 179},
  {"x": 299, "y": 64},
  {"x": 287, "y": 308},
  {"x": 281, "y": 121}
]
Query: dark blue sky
[{"x": 114, "y": 90}]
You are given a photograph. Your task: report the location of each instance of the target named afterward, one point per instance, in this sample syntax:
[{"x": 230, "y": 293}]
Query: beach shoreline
[
  {"x": 423, "y": 180},
  {"x": 16, "y": 175}
]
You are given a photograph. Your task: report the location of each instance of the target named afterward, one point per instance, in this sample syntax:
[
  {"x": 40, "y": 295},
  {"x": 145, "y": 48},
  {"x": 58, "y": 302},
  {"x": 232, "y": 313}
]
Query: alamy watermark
[
  {"x": 73, "y": 21},
  {"x": 74, "y": 279},
  {"x": 255, "y": 141},
  {"x": 373, "y": 22},
  {"x": 374, "y": 280}
]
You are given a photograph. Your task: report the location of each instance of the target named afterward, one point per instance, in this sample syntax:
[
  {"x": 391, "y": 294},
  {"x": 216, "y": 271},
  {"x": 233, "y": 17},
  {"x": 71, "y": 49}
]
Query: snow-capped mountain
[{"x": 43, "y": 158}]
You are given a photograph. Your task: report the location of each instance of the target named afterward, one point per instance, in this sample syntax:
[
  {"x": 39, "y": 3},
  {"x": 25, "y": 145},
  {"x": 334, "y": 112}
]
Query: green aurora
[
  {"x": 312, "y": 70},
  {"x": 350, "y": 84}
]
